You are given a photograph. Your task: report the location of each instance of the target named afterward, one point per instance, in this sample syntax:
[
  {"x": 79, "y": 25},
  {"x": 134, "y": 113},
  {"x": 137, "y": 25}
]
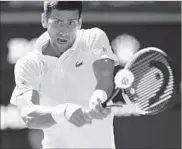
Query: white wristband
[
  {"x": 58, "y": 112},
  {"x": 99, "y": 94}
]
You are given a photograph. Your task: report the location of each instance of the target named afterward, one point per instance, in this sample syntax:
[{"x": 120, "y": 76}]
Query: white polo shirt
[{"x": 67, "y": 79}]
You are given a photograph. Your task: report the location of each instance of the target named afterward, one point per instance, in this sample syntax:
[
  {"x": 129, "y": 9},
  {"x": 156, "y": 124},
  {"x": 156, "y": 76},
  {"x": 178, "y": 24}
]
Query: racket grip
[{"x": 104, "y": 104}]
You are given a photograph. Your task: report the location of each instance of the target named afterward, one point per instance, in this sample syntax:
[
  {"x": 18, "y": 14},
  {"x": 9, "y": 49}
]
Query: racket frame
[{"x": 126, "y": 98}]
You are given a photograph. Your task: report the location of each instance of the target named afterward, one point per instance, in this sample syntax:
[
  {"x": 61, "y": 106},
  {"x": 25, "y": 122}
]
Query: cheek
[
  {"x": 52, "y": 30},
  {"x": 72, "y": 38},
  {"x": 73, "y": 35}
]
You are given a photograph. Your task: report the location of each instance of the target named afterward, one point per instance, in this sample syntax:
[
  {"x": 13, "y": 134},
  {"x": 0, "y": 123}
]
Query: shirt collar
[{"x": 44, "y": 40}]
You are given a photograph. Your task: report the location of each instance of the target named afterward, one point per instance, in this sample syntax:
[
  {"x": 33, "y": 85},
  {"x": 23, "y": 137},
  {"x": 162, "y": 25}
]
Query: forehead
[{"x": 64, "y": 14}]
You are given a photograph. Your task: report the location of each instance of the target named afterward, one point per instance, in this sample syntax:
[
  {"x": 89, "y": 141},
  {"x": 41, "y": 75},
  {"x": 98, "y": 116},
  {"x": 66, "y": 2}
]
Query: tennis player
[{"x": 60, "y": 85}]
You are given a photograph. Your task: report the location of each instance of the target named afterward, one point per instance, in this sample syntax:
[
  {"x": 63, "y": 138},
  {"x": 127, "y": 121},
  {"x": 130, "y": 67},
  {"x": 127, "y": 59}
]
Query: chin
[{"x": 63, "y": 47}]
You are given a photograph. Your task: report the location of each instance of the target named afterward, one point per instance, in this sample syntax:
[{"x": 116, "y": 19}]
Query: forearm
[
  {"x": 37, "y": 117},
  {"x": 103, "y": 70},
  {"x": 40, "y": 117},
  {"x": 106, "y": 85}
]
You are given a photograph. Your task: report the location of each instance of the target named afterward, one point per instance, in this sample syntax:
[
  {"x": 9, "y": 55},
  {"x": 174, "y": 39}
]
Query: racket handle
[{"x": 104, "y": 104}]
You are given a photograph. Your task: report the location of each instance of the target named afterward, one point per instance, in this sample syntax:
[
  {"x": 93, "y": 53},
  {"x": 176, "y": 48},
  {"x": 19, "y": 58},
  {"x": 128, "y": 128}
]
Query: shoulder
[
  {"x": 30, "y": 60},
  {"x": 34, "y": 57},
  {"x": 91, "y": 33},
  {"x": 91, "y": 37}
]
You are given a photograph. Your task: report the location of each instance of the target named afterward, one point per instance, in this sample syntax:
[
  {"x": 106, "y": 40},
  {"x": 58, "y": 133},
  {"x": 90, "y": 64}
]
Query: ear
[
  {"x": 43, "y": 20},
  {"x": 80, "y": 23}
]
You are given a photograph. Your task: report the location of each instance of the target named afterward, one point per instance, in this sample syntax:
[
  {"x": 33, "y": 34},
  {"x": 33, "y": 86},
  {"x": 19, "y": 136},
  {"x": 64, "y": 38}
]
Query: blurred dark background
[{"x": 152, "y": 23}]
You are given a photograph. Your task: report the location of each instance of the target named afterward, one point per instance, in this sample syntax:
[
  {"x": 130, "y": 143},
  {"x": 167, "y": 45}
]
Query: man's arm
[
  {"x": 103, "y": 70},
  {"x": 34, "y": 115},
  {"x": 39, "y": 117},
  {"x": 26, "y": 97}
]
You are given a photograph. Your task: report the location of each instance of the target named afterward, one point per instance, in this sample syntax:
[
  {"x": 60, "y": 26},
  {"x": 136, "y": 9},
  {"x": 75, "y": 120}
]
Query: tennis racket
[{"x": 147, "y": 80}]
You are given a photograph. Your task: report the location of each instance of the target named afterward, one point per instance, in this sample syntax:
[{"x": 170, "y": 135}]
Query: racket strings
[
  {"x": 149, "y": 80},
  {"x": 143, "y": 62},
  {"x": 135, "y": 61},
  {"x": 151, "y": 83},
  {"x": 148, "y": 85}
]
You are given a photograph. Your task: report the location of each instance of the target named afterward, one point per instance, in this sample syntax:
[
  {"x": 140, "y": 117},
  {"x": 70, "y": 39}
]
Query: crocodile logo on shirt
[{"x": 78, "y": 64}]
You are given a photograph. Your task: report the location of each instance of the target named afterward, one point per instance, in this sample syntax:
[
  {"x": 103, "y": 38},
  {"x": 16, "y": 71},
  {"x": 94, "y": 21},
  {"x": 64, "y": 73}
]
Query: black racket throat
[{"x": 110, "y": 99}]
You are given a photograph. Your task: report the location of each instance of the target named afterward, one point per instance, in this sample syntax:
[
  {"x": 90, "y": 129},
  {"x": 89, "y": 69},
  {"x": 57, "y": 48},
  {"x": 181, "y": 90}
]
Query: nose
[
  {"x": 65, "y": 29},
  {"x": 63, "y": 33}
]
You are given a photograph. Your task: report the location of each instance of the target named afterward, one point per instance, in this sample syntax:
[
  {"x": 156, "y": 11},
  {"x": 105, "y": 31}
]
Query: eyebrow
[
  {"x": 73, "y": 19},
  {"x": 68, "y": 19}
]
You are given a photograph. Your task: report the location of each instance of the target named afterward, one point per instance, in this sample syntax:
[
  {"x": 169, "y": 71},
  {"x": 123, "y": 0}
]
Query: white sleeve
[
  {"x": 26, "y": 78},
  {"x": 98, "y": 46}
]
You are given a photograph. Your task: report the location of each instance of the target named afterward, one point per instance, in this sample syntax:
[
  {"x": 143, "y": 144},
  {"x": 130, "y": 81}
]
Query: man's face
[{"x": 62, "y": 26}]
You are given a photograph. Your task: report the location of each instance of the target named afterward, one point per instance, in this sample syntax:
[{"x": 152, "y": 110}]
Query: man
[{"x": 61, "y": 84}]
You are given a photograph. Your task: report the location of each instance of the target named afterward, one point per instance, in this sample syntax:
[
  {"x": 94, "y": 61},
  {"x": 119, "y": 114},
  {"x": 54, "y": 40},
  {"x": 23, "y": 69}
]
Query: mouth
[{"x": 62, "y": 41}]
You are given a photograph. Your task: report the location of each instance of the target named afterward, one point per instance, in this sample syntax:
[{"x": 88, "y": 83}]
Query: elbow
[
  {"x": 29, "y": 122},
  {"x": 37, "y": 122},
  {"x": 28, "y": 117}
]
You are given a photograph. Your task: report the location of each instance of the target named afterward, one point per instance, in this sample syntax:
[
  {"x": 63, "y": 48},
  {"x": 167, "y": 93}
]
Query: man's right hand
[
  {"x": 97, "y": 111},
  {"x": 77, "y": 115}
]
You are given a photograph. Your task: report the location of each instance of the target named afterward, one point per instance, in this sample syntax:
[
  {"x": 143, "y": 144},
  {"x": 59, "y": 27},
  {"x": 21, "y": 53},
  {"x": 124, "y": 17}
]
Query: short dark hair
[{"x": 62, "y": 5}]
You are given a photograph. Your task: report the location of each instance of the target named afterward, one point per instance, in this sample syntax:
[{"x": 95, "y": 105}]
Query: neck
[
  {"x": 52, "y": 51},
  {"x": 55, "y": 51}
]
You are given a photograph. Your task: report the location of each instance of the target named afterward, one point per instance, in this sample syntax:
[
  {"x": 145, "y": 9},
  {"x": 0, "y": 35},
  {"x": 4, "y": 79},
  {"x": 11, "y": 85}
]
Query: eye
[
  {"x": 57, "y": 22},
  {"x": 71, "y": 22}
]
